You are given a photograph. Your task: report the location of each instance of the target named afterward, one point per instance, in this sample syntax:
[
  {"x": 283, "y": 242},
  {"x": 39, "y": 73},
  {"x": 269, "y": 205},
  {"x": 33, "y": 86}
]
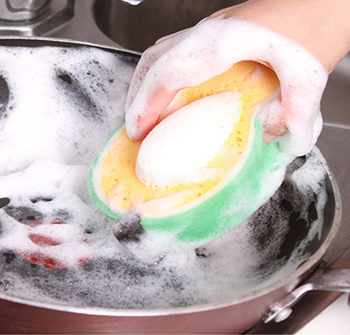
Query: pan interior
[{"x": 59, "y": 104}]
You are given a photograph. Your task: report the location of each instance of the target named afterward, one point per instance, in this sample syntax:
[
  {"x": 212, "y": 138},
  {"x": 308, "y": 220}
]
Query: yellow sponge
[{"x": 198, "y": 212}]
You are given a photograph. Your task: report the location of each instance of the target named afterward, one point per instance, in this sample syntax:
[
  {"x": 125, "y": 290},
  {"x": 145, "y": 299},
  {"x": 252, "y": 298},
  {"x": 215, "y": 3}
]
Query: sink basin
[
  {"x": 336, "y": 99},
  {"x": 138, "y": 27}
]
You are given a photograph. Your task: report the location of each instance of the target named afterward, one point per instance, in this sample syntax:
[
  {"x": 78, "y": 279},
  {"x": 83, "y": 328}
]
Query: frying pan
[{"x": 310, "y": 220}]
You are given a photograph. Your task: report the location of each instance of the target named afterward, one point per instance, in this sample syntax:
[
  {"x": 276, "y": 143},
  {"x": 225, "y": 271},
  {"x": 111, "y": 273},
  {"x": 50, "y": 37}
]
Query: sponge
[{"x": 203, "y": 198}]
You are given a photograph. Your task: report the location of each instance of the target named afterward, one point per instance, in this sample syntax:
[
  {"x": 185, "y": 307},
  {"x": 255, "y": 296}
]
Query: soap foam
[
  {"x": 45, "y": 181},
  {"x": 56, "y": 96},
  {"x": 178, "y": 149},
  {"x": 212, "y": 47}
]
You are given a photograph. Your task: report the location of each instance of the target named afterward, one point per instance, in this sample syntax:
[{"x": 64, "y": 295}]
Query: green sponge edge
[
  {"x": 226, "y": 209},
  {"x": 93, "y": 173},
  {"x": 232, "y": 204}
]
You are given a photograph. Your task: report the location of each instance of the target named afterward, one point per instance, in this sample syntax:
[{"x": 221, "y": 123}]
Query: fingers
[
  {"x": 139, "y": 127},
  {"x": 149, "y": 57},
  {"x": 172, "y": 64},
  {"x": 273, "y": 131},
  {"x": 143, "y": 108},
  {"x": 275, "y": 119},
  {"x": 220, "y": 12}
]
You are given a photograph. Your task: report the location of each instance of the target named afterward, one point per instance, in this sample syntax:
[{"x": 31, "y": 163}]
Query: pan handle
[{"x": 323, "y": 279}]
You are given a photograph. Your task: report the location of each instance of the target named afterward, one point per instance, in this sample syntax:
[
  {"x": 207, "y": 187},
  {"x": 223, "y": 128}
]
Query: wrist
[{"x": 321, "y": 26}]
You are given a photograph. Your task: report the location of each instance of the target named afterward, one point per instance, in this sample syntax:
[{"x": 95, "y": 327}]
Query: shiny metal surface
[
  {"x": 137, "y": 27},
  {"x": 328, "y": 279},
  {"x": 306, "y": 309},
  {"x": 82, "y": 27},
  {"x": 21, "y": 10},
  {"x": 30, "y": 18}
]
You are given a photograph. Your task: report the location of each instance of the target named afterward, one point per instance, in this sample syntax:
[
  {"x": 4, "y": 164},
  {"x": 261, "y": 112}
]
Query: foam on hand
[{"x": 211, "y": 48}]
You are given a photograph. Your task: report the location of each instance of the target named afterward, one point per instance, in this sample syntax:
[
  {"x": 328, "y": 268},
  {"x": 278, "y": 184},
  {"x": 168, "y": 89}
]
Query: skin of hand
[{"x": 320, "y": 26}]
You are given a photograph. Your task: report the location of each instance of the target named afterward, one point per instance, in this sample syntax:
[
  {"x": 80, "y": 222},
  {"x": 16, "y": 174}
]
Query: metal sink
[
  {"x": 138, "y": 27},
  {"x": 336, "y": 99}
]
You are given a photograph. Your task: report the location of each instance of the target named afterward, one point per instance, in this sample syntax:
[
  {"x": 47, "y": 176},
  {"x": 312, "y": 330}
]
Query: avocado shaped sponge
[{"x": 237, "y": 179}]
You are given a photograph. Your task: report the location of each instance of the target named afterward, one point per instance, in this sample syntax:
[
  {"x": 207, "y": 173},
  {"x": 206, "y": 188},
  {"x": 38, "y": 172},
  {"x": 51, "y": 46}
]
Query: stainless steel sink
[
  {"x": 138, "y": 27},
  {"x": 336, "y": 99}
]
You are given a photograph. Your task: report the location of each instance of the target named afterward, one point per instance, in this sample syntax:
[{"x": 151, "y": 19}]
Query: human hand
[{"x": 190, "y": 57}]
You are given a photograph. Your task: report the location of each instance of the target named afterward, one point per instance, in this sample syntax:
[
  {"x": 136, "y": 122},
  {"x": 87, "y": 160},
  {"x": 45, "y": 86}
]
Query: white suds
[
  {"x": 212, "y": 47},
  {"x": 178, "y": 149}
]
